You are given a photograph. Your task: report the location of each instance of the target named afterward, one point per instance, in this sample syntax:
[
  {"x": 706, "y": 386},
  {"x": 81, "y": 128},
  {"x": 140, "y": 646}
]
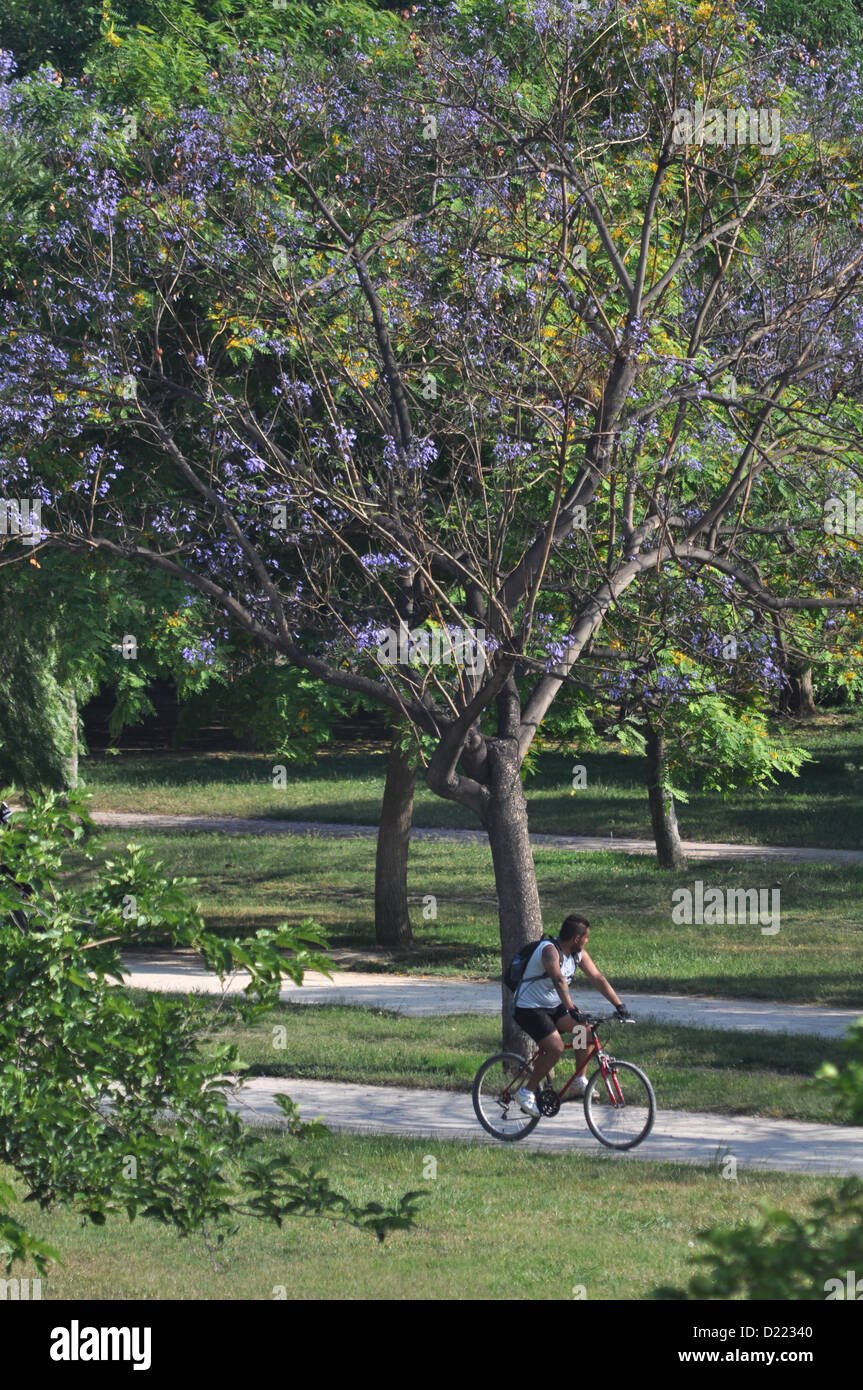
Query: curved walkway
[
  {"x": 419, "y": 996},
  {"x": 694, "y": 849},
  {"x": 785, "y": 1146}
]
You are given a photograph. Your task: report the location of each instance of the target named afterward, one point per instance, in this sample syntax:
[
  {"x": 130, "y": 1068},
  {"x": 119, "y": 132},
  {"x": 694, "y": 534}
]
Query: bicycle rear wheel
[
  {"x": 494, "y": 1102},
  {"x": 620, "y": 1110}
]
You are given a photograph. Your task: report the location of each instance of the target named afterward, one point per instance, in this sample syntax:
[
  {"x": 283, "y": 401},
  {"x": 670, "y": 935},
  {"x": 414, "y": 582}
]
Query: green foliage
[
  {"x": 847, "y": 1084},
  {"x": 162, "y": 57},
  {"x": 815, "y": 22},
  {"x": 415, "y": 743},
  {"x": 67, "y": 626},
  {"x": 712, "y": 742},
  {"x": 67, "y": 33},
  {"x": 39, "y": 740},
  {"x": 781, "y": 1256},
  {"x": 785, "y": 1257},
  {"x": 569, "y": 725},
  {"x": 721, "y": 747},
  {"x": 17, "y": 1245},
  {"x": 24, "y": 188},
  {"x": 284, "y": 710},
  {"x": 89, "y": 1077},
  {"x": 62, "y": 633},
  {"x": 281, "y": 710},
  {"x": 59, "y": 32},
  {"x": 160, "y": 51}
]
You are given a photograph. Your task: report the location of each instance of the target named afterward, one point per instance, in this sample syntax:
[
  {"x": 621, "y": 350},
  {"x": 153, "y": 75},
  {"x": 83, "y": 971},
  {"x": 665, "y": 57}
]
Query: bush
[
  {"x": 89, "y": 1076},
  {"x": 785, "y": 1257}
]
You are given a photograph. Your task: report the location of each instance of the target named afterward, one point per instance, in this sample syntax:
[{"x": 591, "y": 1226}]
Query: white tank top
[{"x": 536, "y": 990}]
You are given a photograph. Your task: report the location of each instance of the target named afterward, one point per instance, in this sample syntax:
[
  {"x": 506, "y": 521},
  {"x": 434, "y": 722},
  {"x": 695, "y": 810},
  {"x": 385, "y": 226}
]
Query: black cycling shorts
[{"x": 538, "y": 1023}]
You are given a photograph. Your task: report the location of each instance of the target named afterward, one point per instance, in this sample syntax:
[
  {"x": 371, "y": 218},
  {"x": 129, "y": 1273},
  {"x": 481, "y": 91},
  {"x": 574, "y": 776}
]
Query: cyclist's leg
[
  {"x": 551, "y": 1052},
  {"x": 581, "y": 1055},
  {"x": 539, "y": 1025}
]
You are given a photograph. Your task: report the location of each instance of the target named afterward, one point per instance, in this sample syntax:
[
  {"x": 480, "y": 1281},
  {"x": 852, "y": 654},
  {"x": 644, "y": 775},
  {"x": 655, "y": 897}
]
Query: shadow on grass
[{"x": 172, "y": 770}]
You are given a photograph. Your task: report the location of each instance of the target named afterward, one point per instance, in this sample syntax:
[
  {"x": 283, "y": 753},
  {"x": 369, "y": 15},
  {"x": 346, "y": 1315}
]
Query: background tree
[
  {"x": 39, "y": 698},
  {"x": 698, "y": 716},
  {"x": 73, "y": 36},
  {"x": 819, "y": 25}
]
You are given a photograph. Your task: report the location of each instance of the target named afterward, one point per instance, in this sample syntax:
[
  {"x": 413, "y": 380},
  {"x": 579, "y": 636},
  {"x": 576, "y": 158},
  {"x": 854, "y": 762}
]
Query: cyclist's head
[{"x": 575, "y": 928}]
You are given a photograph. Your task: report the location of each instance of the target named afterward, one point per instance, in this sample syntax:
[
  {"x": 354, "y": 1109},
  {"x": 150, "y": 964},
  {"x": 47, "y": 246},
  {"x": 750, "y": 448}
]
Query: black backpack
[{"x": 517, "y": 966}]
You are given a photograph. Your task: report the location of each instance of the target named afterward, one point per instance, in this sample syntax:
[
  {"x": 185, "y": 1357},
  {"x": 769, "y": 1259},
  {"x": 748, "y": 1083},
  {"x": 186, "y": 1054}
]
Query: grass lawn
[
  {"x": 246, "y": 882},
  {"x": 495, "y": 1224},
  {"x": 690, "y": 1068},
  {"x": 822, "y": 807}
]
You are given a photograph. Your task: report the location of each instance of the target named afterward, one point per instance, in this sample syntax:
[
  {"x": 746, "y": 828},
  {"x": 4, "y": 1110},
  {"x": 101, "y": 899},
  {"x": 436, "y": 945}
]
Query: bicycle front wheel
[
  {"x": 620, "y": 1107},
  {"x": 494, "y": 1088}
]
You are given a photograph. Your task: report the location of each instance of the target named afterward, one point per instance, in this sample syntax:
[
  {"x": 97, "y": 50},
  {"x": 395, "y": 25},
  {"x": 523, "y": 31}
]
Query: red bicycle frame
[{"x": 606, "y": 1067}]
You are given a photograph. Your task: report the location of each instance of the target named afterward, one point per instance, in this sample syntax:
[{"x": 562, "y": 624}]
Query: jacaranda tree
[{"x": 493, "y": 330}]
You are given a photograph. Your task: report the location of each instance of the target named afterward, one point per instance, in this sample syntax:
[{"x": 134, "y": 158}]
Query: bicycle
[{"x": 619, "y": 1103}]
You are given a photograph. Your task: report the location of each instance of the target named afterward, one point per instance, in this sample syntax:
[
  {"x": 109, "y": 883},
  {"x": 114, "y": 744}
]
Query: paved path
[
  {"x": 422, "y": 996},
  {"x": 678, "y": 1136},
  {"x": 695, "y": 849}
]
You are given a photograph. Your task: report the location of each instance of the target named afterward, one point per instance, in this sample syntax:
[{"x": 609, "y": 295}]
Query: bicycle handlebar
[{"x": 594, "y": 1020}]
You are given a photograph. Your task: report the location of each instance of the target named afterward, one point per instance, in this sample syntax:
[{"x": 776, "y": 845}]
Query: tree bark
[
  {"x": 70, "y": 762},
  {"x": 800, "y": 695},
  {"x": 514, "y": 871},
  {"x": 669, "y": 851},
  {"x": 392, "y": 917}
]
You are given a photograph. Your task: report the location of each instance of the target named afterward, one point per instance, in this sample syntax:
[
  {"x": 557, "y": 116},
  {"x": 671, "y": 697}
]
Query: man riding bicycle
[{"x": 544, "y": 1007}]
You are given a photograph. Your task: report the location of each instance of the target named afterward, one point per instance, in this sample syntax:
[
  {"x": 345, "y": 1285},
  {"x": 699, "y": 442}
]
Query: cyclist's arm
[
  {"x": 597, "y": 979},
  {"x": 551, "y": 962}
]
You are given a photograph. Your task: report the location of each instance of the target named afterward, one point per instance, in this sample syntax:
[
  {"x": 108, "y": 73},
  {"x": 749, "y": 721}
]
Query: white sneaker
[
  {"x": 527, "y": 1101},
  {"x": 577, "y": 1089}
]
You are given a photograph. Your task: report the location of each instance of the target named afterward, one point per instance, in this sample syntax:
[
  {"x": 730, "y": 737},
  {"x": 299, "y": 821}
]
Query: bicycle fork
[{"x": 608, "y": 1070}]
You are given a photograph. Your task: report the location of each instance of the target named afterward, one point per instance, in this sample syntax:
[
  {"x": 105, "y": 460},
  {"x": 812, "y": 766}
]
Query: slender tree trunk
[
  {"x": 71, "y": 759},
  {"x": 392, "y": 918},
  {"x": 514, "y": 871},
  {"x": 669, "y": 851}
]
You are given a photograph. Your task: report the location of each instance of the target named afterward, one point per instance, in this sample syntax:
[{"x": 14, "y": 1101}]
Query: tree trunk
[
  {"x": 392, "y": 918},
  {"x": 514, "y": 872},
  {"x": 70, "y": 762},
  {"x": 801, "y": 698},
  {"x": 663, "y": 816}
]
